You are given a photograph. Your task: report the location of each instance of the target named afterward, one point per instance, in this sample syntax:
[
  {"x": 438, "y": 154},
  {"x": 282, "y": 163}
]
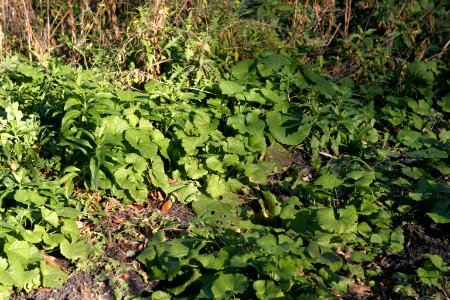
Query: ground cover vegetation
[{"x": 224, "y": 149}]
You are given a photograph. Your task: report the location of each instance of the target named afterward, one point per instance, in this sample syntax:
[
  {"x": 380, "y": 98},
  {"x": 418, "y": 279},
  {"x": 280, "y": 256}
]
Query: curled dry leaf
[{"x": 345, "y": 255}]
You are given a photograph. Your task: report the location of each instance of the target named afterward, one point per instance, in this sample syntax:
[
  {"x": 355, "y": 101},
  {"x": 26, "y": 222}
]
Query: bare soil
[{"x": 120, "y": 233}]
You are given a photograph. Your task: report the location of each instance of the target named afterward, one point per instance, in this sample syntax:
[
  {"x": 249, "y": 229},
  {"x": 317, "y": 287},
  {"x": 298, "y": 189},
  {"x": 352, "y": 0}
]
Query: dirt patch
[
  {"x": 419, "y": 241},
  {"x": 118, "y": 234}
]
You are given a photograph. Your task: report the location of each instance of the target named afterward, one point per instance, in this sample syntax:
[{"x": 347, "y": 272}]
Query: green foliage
[{"x": 300, "y": 181}]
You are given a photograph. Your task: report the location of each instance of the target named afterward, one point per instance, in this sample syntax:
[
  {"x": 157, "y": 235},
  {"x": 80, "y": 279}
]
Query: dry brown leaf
[
  {"x": 118, "y": 220},
  {"x": 52, "y": 261},
  {"x": 358, "y": 289},
  {"x": 167, "y": 206}
]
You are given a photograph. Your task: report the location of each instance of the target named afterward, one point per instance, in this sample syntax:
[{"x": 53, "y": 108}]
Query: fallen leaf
[
  {"x": 52, "y": 261},
  {"x": 167, "y": 206},
  {"x": 358, "y": 289},
  {"x": 118, "y": 220}
]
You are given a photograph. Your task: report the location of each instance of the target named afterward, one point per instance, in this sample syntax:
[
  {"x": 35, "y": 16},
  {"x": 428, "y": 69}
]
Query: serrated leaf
[
  {"x": 235, "y": 145},
  {"x": 18, "y": 251},
  {"x": 70, "y": 229},
  {"x": 186, "y": 193},
  {"x": 28, "y": 196},
  {"x": 127, "y": 178},
  {"x": 158, "y": 174},
  {"x": 52, "y": 276},
  {"x": 216, "y": 211},
  {"x": 50, "y": 216},
  {"x": 328, "y": 181},
  {"x": 227, "y": 285},
  {"x": 258, "y": 172},
  {"x": 437, "y": 261},
  {"x": 75, "y": 251},
  {"x": 267, "y": 289},
  {"x": 213, "y": 163},
  {"x": 445, "y": 103},
  {"x": 139, "y": 194},
  {"x": 216, "y": 186},
  {"x": 270, "y": 65},
  {"x": 231, "y": 88},
  {"x": 160, "y": 295},
  {"x": 287, "y": 129},
  {"x": 159, "y": 139},
  {"x": 242, "y": 69},
  {"x": 114, "y": 125},
  {"x": 193, "y": 169},
  {"x": 138, "y": 162},
  {"x": 141, "y": 142},
  {"x": 237, "y": 121},
  {"x": 345, "y": 223},
  {"x": 14, "y": 276}
]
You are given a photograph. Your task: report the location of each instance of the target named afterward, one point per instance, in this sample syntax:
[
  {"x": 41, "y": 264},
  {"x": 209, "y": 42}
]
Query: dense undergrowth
[{"x": 305, "y": 154}]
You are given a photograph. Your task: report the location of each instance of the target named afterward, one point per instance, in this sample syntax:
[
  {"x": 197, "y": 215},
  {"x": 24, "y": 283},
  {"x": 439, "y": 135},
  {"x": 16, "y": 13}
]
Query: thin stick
[
  {"x": 332, "y": 37},
  {"x": 440, "y": 54}
]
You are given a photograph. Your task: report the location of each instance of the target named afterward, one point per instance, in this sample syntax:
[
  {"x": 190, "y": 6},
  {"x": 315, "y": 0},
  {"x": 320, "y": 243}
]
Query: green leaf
[
  {"x": 114, "y": 125},
  {"x": 14, "y": 276},
  {"x": 28, "y": 197},
  {"x": 428, "y": 153},
  {"x": 22, "y": 252},
  {"x": 280, "y": 156},
  {"x": 267, "y": 289},
  {"x": 235, "y": 145},
  {"x": 287, "y": 129},
  {"x": 271, "y": 204},
  {"x": 216, "y": 186},
  {"x": 140, "y": 140},
  {"x": 139, "y": 194},
  {"x": 420, "y": 107},
  {"x": 231, "y": 88},
  {"x": 429, "y": 277},
  {"x": 445, "y": 103},
  {"x": 437, "y": 261},
  {"x": 52, "y": 276},
  {"x": 50, "y": 216},
  {"x": 227, "y": 285},
  {"x": 258, "y": 172},
  {"x": 69, "y": 119},
  {"x": 213, "y": 163},
  {"x": 270, "y": 65},
  {"x": 70, "y": 229},
  {"x": 139, "y": 163},
  {"x": 159, "y": 139},
  {"x": 75, "y": 251},
  {"x": 160, "y": 295},
  {"x": 345, "y": 223},
  {"x": 328, "y": 181},
  {"x": 214, "y": 261},
  {"x": 185, "y": 193},
  {"x": 216, "y": 211},
  {"x": 242, "y": 69},
  {"x": 158, "y": 174},
  {"x": 440, "y": 212},
  {"x": 237, "y": 121}
]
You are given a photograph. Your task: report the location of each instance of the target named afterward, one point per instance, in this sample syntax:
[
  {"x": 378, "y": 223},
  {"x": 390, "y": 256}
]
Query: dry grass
[{"x": 38, "y": 28}]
